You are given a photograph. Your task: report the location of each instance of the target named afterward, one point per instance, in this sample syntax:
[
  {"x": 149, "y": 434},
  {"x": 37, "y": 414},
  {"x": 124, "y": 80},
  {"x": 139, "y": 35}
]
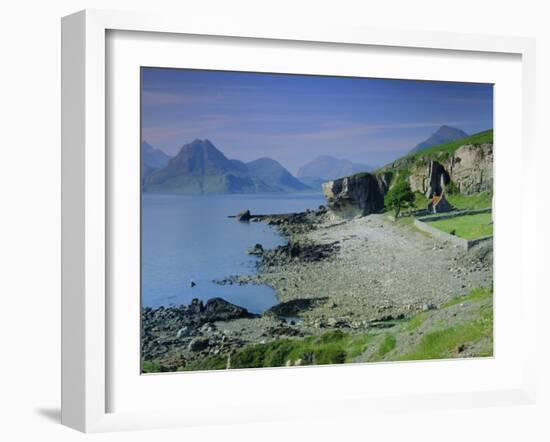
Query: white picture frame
[{"x": 87, "y": 204}]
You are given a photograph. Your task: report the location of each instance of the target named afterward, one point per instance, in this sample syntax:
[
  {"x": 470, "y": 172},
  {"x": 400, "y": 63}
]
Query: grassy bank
[
  {"x": 466, "y": 226},
  {"x": 482, "y": 200},
  {"x": 445, "y": 150},
  {"x": 333, "y": 347}
]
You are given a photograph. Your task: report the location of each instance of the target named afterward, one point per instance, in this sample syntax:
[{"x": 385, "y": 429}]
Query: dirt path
[{"x": 381, "y": 269}]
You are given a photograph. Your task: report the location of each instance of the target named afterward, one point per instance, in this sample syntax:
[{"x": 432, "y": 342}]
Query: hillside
[
  {"x": 442, "y": 152},
  {"x": 462, "y": 168}
]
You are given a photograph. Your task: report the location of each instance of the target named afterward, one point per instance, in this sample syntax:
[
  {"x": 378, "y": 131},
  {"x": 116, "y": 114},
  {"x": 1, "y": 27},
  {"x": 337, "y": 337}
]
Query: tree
[{"x": 399, "y": 196}]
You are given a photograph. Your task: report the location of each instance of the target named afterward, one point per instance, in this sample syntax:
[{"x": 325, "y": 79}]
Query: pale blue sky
[{"x": 294, "y": 118}]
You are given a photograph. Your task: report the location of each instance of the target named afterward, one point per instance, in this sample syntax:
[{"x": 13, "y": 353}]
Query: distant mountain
[
  {"x": 444, "y": 134},
  {"x": 153, "y": 158},
  {"x": 274, "y": 175},
  {"x": 200, "y": 167},
  {"x": 329, "y": 168},
  {"x": 314, "y": 183}
]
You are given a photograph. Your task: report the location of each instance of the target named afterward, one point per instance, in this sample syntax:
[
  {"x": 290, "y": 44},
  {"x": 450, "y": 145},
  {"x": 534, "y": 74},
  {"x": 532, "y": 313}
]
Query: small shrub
[
  {"x": 387, "y": 345},
  {"x": 331, "y": 337},
  {"x": 451, "y": 188},
  {"x": 399, "y": 197},
  {"x": 331, "y": 354}
]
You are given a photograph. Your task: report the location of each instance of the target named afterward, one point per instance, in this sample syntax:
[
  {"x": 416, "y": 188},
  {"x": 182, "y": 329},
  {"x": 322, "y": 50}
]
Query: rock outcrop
[
  {"x": 469, "y": 168},
  {"x": 356, "y": 195}
]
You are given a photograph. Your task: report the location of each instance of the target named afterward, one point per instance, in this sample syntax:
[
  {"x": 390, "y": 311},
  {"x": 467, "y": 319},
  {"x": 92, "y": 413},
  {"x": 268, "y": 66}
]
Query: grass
[
  {"x": 420, "y": 202},
  {"x": 333, "y": 347},
  {"x": 445, "y": 150},
  {"x": 474, "y": 295},
  {"x": 386, "y": 345},
  {"x": 362, "y": 175},
  {"x": 446, "y": 342},
  {"x": 466, "y": 226},
  {"x": 482, "y": 200},
  {"x": 151, "y": 367},
  {"x": 415, "y": 322},
  {"x": 440, "y": 152}
]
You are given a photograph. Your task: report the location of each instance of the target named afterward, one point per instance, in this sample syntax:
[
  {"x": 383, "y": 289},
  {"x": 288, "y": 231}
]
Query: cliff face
[
  {"x": 470, "y": 168},
  {"x": 356, "y": 195}
]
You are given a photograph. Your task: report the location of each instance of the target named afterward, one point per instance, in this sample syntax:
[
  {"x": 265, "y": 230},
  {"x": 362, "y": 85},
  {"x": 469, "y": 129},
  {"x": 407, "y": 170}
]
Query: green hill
[
  {"x": 441, "y": 152},
  {"x": 462, "y": 169}
]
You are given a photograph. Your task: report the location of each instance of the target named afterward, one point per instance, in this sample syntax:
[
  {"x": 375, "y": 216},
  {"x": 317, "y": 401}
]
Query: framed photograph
[{"x": 250, "y": 213}]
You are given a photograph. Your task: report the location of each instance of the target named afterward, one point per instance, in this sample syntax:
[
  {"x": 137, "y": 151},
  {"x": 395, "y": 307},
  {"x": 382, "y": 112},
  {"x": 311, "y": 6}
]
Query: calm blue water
[{"x": 190, "y": 238}]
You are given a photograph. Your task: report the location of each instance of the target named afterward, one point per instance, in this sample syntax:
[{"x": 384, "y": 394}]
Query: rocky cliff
[
  {"x": 469, "y": 168},
  {"x": 357, "y": 195}
]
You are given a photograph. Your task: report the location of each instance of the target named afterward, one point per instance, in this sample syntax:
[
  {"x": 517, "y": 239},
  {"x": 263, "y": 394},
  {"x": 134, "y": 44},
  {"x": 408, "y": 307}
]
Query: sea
[{"x": 189, "y": 239}]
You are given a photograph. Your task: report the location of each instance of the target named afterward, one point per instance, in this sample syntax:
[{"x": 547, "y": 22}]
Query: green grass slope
[
  {"x": 463, "y": 327},
  {"x": 440, "y": 152},
  {"x": 466, "y": 226}
]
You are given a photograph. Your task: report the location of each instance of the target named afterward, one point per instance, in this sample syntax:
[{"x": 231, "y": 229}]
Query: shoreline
[{"x": 333, "y": 274}]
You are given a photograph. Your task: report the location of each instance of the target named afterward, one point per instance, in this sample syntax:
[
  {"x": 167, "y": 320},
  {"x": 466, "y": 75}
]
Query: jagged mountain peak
[{"x": 445, "y": 134}]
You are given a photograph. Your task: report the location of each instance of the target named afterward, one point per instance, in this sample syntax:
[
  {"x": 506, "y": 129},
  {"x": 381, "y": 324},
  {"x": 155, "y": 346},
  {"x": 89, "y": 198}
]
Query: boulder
[
  {"x": 356, "y": 195},
  {"x": 183, "y": 332},
  {"x": 244, "y": 216},
  {"x": 196, "y": 307},
  {"x": 257, "y": 250},
  {"x": 218, "y": 309},
  {"x": 198, "y": 344}
]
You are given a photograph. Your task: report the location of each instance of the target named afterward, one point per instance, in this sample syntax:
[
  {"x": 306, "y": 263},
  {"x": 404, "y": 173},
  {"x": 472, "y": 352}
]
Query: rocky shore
[{"x": 354, "y": 275}]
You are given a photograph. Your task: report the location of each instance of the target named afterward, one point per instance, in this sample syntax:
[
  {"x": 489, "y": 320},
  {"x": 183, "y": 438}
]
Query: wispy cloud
[
  {"x": 344, "y": 130},
  {"x": 157, "y": 98},
  {"x": 295, "y": 118}
]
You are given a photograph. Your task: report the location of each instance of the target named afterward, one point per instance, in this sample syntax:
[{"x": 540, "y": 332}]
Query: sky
[{"x": 295, "y": 118}]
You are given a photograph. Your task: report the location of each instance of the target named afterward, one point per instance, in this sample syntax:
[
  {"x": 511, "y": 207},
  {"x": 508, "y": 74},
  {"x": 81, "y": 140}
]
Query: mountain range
[
  {"x": 276, "y": 176},
  {"x": 151, "y": 159},
  {"x": 327, "y": 168},
  {"x": 445, "y": 134},
  {"x": 200, "y": 168}
]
